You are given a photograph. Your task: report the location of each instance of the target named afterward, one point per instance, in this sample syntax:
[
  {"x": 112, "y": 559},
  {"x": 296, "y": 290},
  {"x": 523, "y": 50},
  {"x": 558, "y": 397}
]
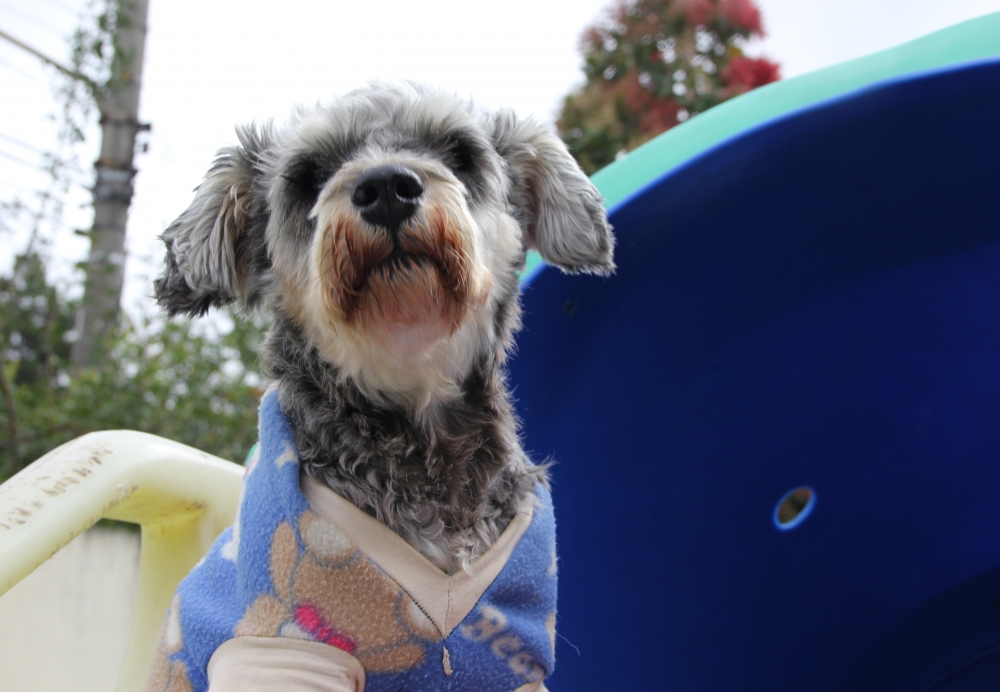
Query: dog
[{"x": 384, "y": 233}]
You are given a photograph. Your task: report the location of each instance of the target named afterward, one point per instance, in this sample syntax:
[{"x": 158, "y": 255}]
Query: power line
[
  {"x": 32, "y": 20},
  {"x": 21, "y": 73},
  {"x": 18, "y": 159},
  {"x": 24, "y": 145},
  {"x": 44, "y": 58},
  {"x": 37, "y": 167}
]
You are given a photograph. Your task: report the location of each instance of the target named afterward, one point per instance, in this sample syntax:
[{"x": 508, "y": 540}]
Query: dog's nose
[{"x": 387, "y": 196}]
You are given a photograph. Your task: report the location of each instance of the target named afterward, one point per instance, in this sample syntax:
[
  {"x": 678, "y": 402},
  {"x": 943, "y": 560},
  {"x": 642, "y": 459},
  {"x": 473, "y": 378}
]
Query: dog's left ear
[
  {"x": 215, "y": 249},
  {"x": 560, "y": 210}
]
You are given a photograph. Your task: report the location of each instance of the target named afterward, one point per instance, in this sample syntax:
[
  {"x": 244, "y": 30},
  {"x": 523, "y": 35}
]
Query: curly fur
[{"x": 448, "y": 485}]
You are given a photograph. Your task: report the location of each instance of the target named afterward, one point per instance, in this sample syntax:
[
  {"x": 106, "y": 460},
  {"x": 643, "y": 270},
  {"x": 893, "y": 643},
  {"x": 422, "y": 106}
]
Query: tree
[
  {"x": 116, "y": 46},
  {"x": 652, "y": 64},
  {"x": 194, "y": 383}
]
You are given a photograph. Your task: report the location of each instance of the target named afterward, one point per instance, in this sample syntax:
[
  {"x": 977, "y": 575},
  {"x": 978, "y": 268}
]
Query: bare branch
[{"x": 50, "y": 61}]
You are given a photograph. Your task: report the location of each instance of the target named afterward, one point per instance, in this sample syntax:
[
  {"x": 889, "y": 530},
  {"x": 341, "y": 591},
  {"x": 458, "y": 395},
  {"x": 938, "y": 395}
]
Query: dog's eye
[
  {"x": 306, "y": 177},
  {"x": 462, "y": 156}
]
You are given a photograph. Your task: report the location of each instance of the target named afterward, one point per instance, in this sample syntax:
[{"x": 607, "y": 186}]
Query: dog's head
[{"x": 390, "y": 227}]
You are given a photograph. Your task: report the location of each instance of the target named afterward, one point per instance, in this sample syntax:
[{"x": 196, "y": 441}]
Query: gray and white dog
[{"x": 385, "y": 234}]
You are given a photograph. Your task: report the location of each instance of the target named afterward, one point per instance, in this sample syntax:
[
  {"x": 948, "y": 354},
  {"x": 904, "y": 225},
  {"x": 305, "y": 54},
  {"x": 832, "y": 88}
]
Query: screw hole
[
  {"x": 570, "y": 307},
  {"x": 794, "y": 507}
]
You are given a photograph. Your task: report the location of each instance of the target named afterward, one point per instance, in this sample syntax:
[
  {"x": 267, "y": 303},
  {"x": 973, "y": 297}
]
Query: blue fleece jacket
[{"x": 283, "y": 571}]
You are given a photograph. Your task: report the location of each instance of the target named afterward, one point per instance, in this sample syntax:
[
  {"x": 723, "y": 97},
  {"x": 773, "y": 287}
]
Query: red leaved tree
[{"x": 651, "y": 64}]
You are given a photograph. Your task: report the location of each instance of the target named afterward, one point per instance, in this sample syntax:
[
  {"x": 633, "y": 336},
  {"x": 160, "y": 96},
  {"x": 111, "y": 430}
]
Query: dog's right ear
[
  {"x": 560, "y": 210},
  {"x": 216, "y": 249}
]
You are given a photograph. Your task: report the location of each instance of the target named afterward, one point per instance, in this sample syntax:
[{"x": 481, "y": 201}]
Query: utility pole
[{"x": 119, "y": 108}]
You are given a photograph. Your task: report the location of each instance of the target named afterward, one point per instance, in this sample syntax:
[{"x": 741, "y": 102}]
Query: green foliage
[
  {"x": 102, "y": 67},
  {"x": 96, "y": 69},
  {"x": 651, "y": 64},
  {"x": 187, "y": 382},
  {"x": 194, "y": 383}
]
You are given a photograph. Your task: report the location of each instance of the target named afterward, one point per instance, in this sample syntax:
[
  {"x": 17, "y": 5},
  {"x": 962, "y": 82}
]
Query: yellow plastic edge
[{"x": 181, "y": 497}]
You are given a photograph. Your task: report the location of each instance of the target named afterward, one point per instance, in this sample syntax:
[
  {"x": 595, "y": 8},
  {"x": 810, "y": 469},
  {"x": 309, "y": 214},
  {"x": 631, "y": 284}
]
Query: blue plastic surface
[{"x": 815, "y": 302}]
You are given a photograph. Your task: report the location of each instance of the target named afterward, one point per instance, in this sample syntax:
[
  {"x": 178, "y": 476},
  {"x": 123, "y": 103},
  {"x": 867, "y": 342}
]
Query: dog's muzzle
[{"x": 387, "y": 196}]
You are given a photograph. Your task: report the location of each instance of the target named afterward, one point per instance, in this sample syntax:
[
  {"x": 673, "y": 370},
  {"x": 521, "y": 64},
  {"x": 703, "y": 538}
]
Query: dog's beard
[
  {"x": 401, "y": 315},
  {"x": 421, "y": 280}
]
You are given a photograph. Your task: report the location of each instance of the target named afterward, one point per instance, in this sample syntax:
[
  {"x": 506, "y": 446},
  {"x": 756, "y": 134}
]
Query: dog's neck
[{"x": 448, "y": 482}]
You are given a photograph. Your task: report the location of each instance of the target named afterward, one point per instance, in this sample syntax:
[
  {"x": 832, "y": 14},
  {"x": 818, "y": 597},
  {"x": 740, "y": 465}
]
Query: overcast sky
[{"x": 211, "y": 64}]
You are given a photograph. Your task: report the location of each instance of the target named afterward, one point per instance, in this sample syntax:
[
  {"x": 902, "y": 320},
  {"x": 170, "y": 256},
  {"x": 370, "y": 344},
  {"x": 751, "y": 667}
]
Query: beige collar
[{"x": 446, "y": 599}]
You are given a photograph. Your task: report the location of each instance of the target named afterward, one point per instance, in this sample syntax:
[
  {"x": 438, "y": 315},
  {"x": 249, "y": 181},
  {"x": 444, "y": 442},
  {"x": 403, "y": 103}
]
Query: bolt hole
[
  {"x": 794, "y": 507},
  {"x": 570, "y": 307}
]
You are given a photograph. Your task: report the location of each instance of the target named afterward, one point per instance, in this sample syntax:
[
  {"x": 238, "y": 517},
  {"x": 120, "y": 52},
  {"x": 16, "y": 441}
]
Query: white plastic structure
[{"x": 181, "y": 497}]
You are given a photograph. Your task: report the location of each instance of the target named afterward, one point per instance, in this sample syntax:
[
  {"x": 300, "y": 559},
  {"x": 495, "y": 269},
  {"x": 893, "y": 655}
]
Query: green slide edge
[{"x": 968, "y": 41}]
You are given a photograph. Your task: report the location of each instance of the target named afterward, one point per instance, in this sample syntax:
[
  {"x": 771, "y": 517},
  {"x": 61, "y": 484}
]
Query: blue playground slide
[{"x": 809, "y": 304}]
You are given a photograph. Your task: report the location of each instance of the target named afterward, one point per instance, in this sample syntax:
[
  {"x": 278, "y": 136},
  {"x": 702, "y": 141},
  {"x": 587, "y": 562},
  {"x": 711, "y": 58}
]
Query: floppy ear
[
  {"x": 216, "y": 251},
  {"x": 560, "y": 210}
]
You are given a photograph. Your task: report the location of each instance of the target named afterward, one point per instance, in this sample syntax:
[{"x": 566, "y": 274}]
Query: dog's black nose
[{"x": 387, "y": 196}]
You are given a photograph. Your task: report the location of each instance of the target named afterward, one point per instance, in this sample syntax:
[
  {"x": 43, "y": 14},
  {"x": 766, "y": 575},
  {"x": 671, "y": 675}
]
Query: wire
[
  {"x": 46, "y": 59},
  {"x": 24, "y": 145},
  {"x": 32, "y": 20},
  {"x": 18, "y": 159},
  {"x": 27, "y": 164},
  {"x": 22, "y": 73},
  {"x": 86, "y": 184}
]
